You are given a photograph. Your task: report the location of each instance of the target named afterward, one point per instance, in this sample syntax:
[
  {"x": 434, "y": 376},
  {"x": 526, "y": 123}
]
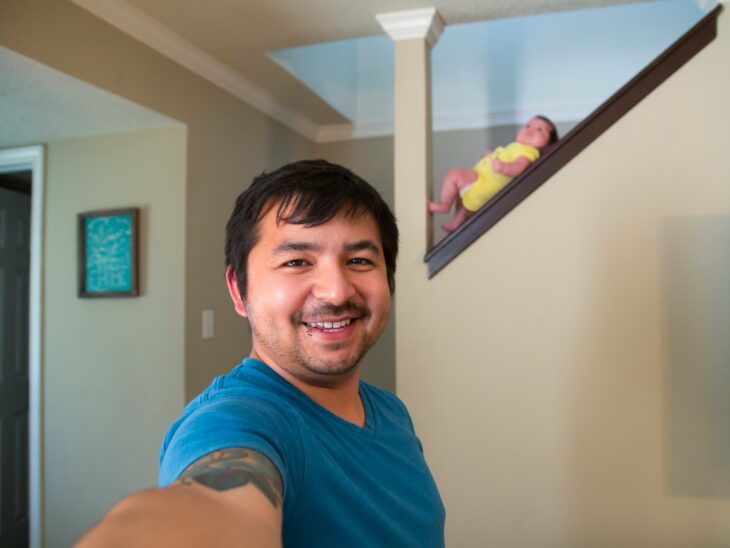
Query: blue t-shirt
[{"x": 343, "y": 485}]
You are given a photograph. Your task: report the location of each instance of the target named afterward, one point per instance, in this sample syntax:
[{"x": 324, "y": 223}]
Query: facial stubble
[{"x": 309, "y": 368}]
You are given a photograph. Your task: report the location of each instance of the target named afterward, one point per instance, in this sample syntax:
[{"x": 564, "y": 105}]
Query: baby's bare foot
[{"x": 438, "y": 207}]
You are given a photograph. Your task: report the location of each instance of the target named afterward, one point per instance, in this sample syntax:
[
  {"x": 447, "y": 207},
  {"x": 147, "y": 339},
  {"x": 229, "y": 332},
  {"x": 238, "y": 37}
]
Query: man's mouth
[{"x": 329, "y": 326}]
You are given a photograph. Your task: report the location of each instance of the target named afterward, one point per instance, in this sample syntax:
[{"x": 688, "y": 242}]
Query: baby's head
[{"x": 538, "y": 132}]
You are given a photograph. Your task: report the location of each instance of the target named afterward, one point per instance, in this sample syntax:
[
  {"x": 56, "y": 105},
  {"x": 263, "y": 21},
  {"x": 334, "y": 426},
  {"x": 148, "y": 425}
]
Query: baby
[{"x": 472, "y": 188}]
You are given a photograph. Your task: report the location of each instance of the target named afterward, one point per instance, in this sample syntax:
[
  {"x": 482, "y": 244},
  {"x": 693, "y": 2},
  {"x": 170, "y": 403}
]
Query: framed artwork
[{"x": 108, "y": 246}]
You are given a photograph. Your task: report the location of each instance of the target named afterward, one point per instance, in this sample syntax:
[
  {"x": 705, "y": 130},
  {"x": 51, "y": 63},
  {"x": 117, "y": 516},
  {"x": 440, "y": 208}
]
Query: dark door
[{"x": 14, "y": 277}]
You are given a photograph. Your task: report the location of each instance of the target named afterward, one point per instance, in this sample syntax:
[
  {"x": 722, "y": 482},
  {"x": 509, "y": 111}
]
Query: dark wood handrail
[{"x": 686, "y": 47}]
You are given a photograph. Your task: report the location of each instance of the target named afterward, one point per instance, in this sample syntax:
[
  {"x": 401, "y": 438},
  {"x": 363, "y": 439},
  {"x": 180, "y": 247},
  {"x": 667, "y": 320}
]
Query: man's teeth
[{"x": 330, "y": 325}]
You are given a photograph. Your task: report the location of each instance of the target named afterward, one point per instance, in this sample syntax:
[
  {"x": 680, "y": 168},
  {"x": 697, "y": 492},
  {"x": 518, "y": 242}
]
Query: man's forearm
[{"x": 186, "y": 515}]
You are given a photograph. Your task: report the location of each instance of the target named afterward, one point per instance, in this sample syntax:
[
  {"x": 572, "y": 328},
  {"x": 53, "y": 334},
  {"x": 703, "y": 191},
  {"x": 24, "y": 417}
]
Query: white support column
[{"x": 415, "y": 33}]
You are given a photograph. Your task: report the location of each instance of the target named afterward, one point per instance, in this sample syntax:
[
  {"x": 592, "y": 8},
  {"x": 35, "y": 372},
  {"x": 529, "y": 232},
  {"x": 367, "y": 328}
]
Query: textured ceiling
[
  {"x": 507, "y": 69},
  {"x": 227, "y": 28},
  {"x": 240, "y": 33},
  {"x": 39, "y": 104}
]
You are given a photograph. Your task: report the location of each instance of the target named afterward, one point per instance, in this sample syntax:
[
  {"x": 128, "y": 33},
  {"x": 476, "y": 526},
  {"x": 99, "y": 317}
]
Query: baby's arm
[{"x": 510, "y": 169}]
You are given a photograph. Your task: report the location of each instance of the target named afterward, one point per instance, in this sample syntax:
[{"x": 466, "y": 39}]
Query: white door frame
[{"x": 22, "y": 159}]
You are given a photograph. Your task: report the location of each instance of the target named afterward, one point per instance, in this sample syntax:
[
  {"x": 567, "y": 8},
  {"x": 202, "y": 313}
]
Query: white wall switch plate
[{"x": 208, "y": 321}]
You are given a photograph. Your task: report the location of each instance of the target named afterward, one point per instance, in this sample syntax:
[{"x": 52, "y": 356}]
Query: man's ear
[{"x": 234, "y": 292}]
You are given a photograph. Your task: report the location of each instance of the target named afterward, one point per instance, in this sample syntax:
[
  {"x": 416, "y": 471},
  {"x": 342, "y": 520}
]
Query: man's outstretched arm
[{"x": 231, "y": 497}]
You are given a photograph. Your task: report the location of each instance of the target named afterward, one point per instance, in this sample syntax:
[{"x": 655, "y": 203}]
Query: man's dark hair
[
  {"x": 310, "y": 193},
  {"x": 554, "y": 131}
]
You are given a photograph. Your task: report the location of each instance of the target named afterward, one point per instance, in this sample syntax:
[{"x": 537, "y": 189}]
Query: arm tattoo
[{"x": 231, "y": 468}]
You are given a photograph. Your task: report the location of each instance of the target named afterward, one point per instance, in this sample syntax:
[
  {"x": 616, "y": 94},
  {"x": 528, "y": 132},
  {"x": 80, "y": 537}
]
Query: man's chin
[{"x": 329, "y": 373}]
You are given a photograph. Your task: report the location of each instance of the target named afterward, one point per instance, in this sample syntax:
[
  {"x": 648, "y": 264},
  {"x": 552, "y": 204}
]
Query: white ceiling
[
  {"x": 241, "y": 32},
  {"x": 228, "y": 41},
  {"x": 561, "y": 64},
  {"x": 39, "y": 104}
]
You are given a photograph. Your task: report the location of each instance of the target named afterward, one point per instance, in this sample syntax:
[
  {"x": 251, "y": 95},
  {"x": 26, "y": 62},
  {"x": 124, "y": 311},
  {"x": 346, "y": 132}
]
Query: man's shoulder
[
  {"x": 248, "y": 393},
  {"x": 240, "y": 409},
  {"x": 248, "y": 381}
]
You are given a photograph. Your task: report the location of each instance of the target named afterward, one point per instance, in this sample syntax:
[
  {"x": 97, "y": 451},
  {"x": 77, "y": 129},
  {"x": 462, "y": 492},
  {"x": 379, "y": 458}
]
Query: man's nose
[{"x": 333, "y": 285}]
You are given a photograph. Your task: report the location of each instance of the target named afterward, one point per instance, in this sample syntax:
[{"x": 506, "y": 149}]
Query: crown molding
[
  {"x": 130, "y": 20},
  {"x": 350, "y": 132},
  {"x": 403, "y": 25},
  {"x": 481, "y": 119},
  {"x": 406, "y": 25},
  {"x": 456, "y": 122}
]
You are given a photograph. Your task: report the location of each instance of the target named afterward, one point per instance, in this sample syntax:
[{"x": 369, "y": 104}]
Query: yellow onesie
[{"x": 489, "y": 182}]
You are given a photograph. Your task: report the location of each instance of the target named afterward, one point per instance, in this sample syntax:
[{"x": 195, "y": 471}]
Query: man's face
[{"x": 317, "y": 298}]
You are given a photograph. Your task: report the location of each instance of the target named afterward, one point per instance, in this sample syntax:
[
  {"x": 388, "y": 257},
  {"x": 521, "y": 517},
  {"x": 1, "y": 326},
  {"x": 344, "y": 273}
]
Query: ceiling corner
[{"x": 130, "y": 20}]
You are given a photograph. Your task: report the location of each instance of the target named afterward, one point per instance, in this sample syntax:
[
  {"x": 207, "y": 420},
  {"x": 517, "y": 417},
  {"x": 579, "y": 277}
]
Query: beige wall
[
  {"x": 113, "y": 379},
  {"x": 569, "y": 373},
  {"x": 229, "y": 142}
]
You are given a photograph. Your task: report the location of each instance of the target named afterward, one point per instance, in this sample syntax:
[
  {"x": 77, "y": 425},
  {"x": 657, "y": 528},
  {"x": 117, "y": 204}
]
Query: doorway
[
  {"x": 21, "y": 201},
  {"x": 15, "y": 200}
]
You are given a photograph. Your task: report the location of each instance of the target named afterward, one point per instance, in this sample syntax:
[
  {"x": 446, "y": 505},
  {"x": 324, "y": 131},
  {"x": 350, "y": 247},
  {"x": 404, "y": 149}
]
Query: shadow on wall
[{"x": 696, "y": 344}]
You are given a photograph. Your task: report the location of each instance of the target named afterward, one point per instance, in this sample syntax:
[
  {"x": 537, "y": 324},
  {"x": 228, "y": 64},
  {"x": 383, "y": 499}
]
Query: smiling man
[{"x": 291, "y": 447}]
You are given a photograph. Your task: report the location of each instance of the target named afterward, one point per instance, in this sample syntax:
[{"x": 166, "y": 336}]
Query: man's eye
[
  {"x": 360, "y": 261},
  {"x": 294, "y": 263}
]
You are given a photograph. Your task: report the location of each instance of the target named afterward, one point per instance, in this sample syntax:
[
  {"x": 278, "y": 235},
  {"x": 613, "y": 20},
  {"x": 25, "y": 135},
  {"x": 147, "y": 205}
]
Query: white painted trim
[
  {"x": 454, "y": 122},
  {"x": 13, "y": 160},
  {"x": 421, "y": 23},
  {"x": 150, "y": 32},
  {"x": 347, "y": 132},
  {"x": 486, "y": 119},
  {"x": 407, "y": 25}
]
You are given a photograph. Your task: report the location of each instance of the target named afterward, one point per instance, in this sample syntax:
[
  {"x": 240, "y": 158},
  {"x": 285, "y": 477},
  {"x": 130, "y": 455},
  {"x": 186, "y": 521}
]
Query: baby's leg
[
  {"x": 462, "y": 214},
  {"x": 455, "y": 180}
]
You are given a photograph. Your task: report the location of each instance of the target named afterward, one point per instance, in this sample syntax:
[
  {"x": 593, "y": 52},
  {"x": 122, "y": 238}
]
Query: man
[{"x": 291, "y": 447}]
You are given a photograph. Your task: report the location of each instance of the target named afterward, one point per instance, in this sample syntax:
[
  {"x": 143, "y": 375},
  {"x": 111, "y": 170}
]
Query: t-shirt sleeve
[{"x": 227, "y": 423}]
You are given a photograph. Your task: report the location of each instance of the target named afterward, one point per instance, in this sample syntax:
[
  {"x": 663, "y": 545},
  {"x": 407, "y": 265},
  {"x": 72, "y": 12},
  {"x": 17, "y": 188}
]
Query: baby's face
[{"x": 536, "y": 133}]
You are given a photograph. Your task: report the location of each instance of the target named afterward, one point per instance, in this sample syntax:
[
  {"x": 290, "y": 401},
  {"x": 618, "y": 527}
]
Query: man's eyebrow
[
  {"x": 288, "y": 247},
  {"x": 363, "y": 245}
]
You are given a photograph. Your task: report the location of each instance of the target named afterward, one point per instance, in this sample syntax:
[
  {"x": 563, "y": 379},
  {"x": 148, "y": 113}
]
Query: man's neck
[{"x": 341, "y": 399}]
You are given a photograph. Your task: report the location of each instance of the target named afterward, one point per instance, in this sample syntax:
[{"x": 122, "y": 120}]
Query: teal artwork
[{"x": 108, "y": 254}]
